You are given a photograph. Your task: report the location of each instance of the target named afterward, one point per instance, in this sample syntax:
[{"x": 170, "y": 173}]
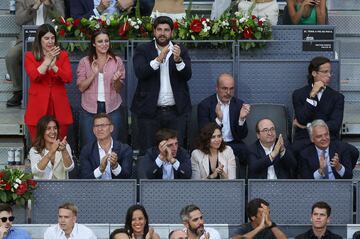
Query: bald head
[
  {"x": 225, "y": 86},
  {"x": 178, "y": 234}
]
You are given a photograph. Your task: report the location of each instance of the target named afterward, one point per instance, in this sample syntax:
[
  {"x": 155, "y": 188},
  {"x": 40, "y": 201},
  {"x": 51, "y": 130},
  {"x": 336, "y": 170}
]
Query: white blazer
[{"x": 200, "y": 163}]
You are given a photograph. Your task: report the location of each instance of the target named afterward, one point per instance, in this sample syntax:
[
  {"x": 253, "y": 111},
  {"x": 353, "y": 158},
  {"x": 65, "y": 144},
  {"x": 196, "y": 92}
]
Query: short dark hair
[
  {"x": 6, "y": 207},
  {"x": 314, "y": 65},
  {"x": 322, "y": 205},
  {"x": 165, "y": 134},
  {"x": 253, "y": 206},
  {"x": 118, "y": 231},
  {"x": 163, "y": 20},
  {"x": 185, "y": 211},
  {"x": 102, "y": 115}
]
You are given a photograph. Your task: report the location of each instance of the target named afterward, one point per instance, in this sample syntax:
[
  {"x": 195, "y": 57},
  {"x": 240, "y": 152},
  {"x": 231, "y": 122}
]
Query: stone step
[
  {"x": 11, "y": 120},
  {"x": 4, "y": 5},
  {"x": 5, "y": 44}
]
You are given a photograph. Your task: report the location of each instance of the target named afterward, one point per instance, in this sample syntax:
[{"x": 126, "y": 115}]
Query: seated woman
[
  {"x": 307, "y": 12},
  {"x": 172, "y": 8},
  {"x": 260, "y": 8},
  {"x": 137, "y": 224},
  {"x": 212, "y": 159},
  {"x": 100, "y": 78},
  {"x": 50, "y": 157}
]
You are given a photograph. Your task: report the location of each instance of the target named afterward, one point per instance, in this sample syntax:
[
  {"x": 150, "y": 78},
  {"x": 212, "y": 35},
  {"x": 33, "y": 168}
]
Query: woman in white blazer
[{"x": 212, "y": 159}]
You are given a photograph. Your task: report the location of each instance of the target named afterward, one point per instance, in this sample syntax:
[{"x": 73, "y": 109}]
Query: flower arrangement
[
  {"x": 229, "y": 26},
  {"x": 16, "y": 186}
]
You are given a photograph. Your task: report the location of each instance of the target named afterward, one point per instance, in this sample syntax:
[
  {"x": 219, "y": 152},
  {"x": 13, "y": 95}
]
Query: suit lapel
[{"x": 314, "y": 158}]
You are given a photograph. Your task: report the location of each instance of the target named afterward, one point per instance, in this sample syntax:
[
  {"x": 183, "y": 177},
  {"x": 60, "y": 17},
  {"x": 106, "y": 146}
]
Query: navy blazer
[
  {"x": 90, "y": 159},
  {"x": 206, "y": 114},
  {"x": 309, "y": 160},
  {"x": 154, "y": 172},
  {"x": 145, "y": 99},
  {"x": 259, "y": 162},
  {"x": 330, "y": 109},
  {"x": 81, "y": 8}
]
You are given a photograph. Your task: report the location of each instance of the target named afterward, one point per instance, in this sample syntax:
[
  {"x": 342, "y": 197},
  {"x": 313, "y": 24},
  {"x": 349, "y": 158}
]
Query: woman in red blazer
[{"x": 48, "y": 69}]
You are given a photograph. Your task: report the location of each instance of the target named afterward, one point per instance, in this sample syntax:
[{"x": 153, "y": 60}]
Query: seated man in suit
[
  {"x": 318, "y": 100},
  {"x": 320, "y": 218},
  {"x": 88, "y": 8},
  {"x": 230, "y": 114},
  {"x": 167, "y": 160},
  {"x": 260, "y": 225},
  {"x": 105, "y": 158},
  {"x": 269, "y": 158},
  {"x": 324, "y": 159}
]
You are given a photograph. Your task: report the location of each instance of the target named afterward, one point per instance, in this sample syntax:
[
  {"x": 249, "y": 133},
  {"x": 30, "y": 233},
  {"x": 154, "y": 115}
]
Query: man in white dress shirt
[
  {"x": 67, "y": 228},
  {"x": 193, "y": 221}
]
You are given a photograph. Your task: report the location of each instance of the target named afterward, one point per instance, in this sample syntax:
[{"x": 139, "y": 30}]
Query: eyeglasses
[
  {"x": 231, "y": 89},
  {"x": 266, "y": 130},
  {"x": 98, "y": 126},
  {"x": 326, "y": 72},
  {"x": 4, "y": 219}
]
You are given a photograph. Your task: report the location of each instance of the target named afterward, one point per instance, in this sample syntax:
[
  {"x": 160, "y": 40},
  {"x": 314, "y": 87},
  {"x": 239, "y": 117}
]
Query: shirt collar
[
  {"x": 319, "y": 151},
  {"x": 222, "y": 103},
  {"x": 111, "y": 145},
  {"x": 266, "y": 148}
]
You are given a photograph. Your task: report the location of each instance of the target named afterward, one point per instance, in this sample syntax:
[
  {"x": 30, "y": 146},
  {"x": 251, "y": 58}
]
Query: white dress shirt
[
  {"x": 79, "y": 232},
  {"x": 166, "y": 95},
  {"x": 271, "y": 170},
  {"x": 317, "y": 175},
  {"x": 107, "y": 173},
  {"x": 225, "y": 123},
  {"x": 109, "y": 11},
  {"x": 167, "y": 168}
]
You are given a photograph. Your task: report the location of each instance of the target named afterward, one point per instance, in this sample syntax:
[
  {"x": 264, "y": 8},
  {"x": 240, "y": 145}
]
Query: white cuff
[
  {"x": 180, "y": 66},
  {"x": 117, "y": 170},
  {"x": 97, "y": 173},
  {"x": 154, "y": 64},
  {"x": 311, "y": 102}
]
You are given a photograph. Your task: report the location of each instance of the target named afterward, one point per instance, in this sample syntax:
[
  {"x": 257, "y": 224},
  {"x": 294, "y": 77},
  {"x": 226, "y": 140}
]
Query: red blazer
[{"x": 50, "y": 85}]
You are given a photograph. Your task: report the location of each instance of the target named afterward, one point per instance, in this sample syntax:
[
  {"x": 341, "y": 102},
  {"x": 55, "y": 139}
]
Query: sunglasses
[{"x": 4, "y": 219}]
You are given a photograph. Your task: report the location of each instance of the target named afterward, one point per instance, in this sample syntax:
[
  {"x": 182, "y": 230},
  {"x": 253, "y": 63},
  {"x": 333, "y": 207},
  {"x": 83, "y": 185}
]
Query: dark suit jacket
[
  {"x": 330, "y": 109},
  {"x": 259, "y": 162},
  {"x": 90, "y": 159},
  {"x": 154, "y": 172},
  {"x": 81, "y": 8},
  {"x": 144, "y": 103},
  {"x": 309, "y": 161},
  {"x": 206, "y": 114}
]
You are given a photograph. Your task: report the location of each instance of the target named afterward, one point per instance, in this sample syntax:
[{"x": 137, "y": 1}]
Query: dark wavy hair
[
  {"x": 314, "y": 65},
  {"x": 129, "y": 215},
  {"x": 203, "y": 142},
  {"x": 253, "y": 206},
  {"x": 40, "y": 32},
  {"x": 39, "y": 143},
  {"x": 92, "y": 50}
]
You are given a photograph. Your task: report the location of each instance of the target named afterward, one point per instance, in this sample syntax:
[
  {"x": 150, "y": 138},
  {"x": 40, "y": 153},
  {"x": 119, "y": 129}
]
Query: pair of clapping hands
[
  {"x": 58, "y": 145},
  {"x": 334, "y": 162},
  {"x": 110, "y": 157},
  {"x": 176, "y": 51},
  {"x": 37, "y": 3},
  {"x": 96, "y": 69}
]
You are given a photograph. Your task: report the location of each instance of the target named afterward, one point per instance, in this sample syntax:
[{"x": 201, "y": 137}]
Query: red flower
[
  {"x": 21, "y": 189},
  {"x": 101, "y": 22},
  {"x": 62, "y": 32},
  {"x": 2, "y": 174},
  {"x": 196, "y": 25},
  {"x": 7, "y": 187},
  {"x": 68, "y": 23},
  {"x": 203, "y": 19},
  {"x": 233, "y": 24},
  {"x": 123, "y": 29},
  {"x": 253, "y": 17},
  {"x": 247, "y": 33},
  {"x": 62, "y": 20},
  {"x": 77, "y": 22},
  {"x": 31, "y": 183},
  {"x": 176, "y": 25}
]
